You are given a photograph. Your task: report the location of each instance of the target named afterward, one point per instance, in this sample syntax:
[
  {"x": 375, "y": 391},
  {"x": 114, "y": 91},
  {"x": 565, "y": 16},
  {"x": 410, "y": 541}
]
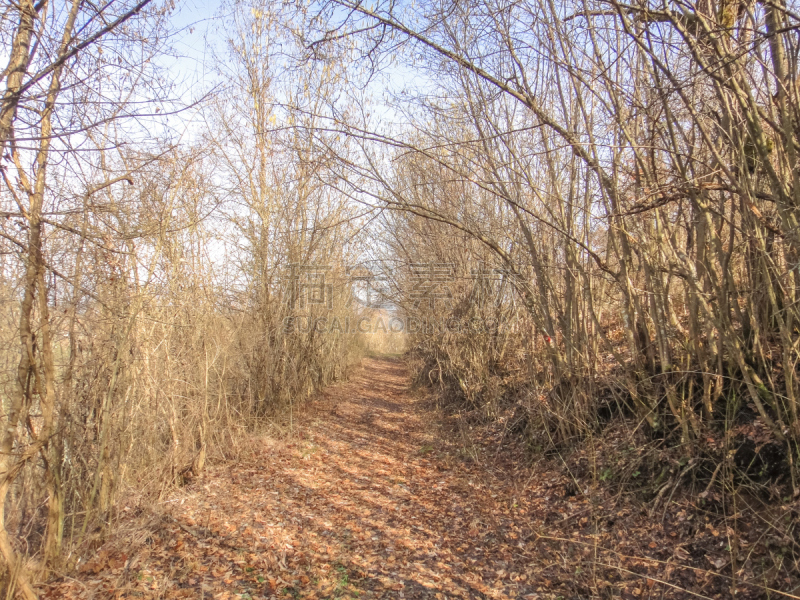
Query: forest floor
[{"x": 368, "y": 499}]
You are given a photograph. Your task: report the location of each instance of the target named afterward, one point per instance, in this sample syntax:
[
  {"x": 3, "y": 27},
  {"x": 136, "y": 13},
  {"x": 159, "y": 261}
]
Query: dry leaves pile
[{"x": 367, "y": 502}]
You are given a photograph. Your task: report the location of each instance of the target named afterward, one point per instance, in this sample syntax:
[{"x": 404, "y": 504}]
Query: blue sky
[{"x": 196, "y": 24}]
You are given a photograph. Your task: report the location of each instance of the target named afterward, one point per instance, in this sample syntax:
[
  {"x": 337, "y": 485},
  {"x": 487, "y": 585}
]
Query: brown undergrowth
[{"x": 377, "y": 494}]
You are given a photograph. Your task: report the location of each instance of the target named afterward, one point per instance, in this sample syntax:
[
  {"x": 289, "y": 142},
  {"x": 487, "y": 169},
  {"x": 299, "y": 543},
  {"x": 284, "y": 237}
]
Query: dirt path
[
  {"x": 368, "y": 499},
  {"x": 362, "y": 503}
]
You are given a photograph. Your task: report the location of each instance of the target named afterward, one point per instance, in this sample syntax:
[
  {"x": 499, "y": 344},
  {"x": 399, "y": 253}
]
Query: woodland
[{"x": 531, "y": 267}]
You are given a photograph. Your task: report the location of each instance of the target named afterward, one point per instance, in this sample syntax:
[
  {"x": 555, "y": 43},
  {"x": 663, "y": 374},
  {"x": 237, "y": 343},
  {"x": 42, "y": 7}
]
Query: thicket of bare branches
[
  {"x": 612, "y": 188},
  {"x": 148, "y": 285},
  {"x": 630, "y": 170}
]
